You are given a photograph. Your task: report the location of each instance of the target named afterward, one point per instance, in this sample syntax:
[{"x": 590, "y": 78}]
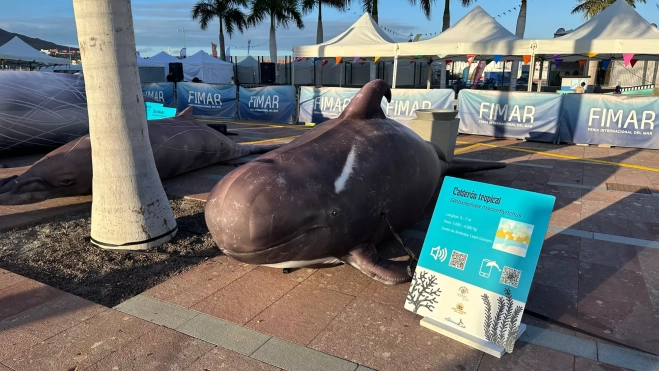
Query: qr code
[
  {"x": 510, "y": 276},
  {"x": 458, "y": 260}
]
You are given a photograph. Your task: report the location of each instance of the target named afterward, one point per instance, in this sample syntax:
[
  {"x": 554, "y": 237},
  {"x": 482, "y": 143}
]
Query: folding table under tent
[
  {"x": 207, "y": 68},
  {"x": 19, "y": 51},
  {"x": 363, "y": 40},
  {"x": 477, "y": 34}
]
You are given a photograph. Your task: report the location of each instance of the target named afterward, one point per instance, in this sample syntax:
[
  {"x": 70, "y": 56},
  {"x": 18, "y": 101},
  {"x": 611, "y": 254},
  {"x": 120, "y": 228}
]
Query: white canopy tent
[
  {"x": 248, "y": 71},
  {"x": 476, "y": 33},
  {"x": 207, "y": 68},
  {"x": 17, "y": 50},
  {"x": 617, "y": 30},
  {"x": 162, "y": 59},
  {"x": 363, "y": 39}
]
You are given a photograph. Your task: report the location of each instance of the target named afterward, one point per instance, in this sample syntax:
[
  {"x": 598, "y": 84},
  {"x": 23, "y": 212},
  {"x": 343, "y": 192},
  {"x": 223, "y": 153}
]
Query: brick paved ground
[{"x": 599, "y": 272}]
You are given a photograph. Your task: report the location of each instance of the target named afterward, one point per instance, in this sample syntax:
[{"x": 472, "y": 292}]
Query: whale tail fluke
[
  {"x": 366, "y": 103},
  {"x": 457, "y": 167}
]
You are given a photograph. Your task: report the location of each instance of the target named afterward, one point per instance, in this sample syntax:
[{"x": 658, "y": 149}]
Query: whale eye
[
  {"x": 335, "y": 213},
  {"x": 66, "y": 182}
]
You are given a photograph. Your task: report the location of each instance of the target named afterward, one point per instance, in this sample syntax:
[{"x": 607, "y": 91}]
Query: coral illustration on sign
[
  {"x": 502, "y": 328},
  {"x": 421, "y": 294}
]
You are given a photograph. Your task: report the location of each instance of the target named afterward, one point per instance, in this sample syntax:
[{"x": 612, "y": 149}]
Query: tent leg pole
[
  {"x": 393, "y": 84},
  {"x": 529, "y": 85},
  {"x": 429, "y": 77},
  {"x": 542, "y": 64}
]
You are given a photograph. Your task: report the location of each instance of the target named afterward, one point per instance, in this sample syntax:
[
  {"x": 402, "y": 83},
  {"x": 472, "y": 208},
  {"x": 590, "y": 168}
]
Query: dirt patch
[{"x": 58, "y": 253}]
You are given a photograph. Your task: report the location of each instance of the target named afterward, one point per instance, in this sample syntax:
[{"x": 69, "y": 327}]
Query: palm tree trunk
[
  {"x": 375, "y": 11},
  {"x": 319, "y": 29},
  {"x": 130, "y": 206},
  {"x": 223, "y": 55},
  {"x": 273, "y": 40},
  {"x": 447, "y": 16},
  {"x": 519, "y": 32}
]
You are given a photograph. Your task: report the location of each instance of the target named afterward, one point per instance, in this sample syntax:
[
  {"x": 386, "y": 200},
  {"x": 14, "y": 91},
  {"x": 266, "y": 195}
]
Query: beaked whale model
[
  {"x": 180, "y": 144},
  {"x": 322, "y": 199}
]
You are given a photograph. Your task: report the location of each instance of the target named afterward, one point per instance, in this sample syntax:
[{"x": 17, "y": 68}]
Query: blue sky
[{"x": 157, "y": 21}]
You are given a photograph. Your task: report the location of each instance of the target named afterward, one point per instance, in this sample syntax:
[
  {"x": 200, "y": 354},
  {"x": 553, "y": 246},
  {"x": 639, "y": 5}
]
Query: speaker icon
[{"x": 439, "y": 253}]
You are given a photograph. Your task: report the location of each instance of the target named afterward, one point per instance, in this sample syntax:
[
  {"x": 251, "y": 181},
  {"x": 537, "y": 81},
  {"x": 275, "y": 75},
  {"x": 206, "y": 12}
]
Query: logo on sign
[{"x": 459, "y": 308}]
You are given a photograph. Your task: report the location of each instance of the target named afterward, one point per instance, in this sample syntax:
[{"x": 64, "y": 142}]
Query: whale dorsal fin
[{"x": 366, "y": 104}]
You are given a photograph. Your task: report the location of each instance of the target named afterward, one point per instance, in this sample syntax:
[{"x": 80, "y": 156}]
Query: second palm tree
[
  {"x": 228, "y": 12},
  {"x": 281, "y": 13}
]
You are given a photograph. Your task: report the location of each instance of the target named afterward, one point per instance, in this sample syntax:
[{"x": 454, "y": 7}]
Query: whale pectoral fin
[{"x": 366, "y": 258}]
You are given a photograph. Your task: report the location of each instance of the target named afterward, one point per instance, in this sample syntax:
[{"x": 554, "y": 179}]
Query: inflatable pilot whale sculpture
[
  {"x": 320, "y": 199},
  {"x": 180, "y": 144}
]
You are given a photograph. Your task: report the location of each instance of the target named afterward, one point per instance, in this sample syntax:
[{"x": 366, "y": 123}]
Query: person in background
[
  {"x": 196, "y": 79},
  {"x": 618, "y": 90},
  {"x": 581, "y": 89},
  {"x": 233, "y": 81},
  {"x": 170, "y": 77}
]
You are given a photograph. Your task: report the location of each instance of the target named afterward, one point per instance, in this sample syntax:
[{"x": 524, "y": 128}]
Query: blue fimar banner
[
  {"x": 478, "y": 259},
  {"x": 622, "y": 121},
  {"x": 520, "y": 115},
  {"x": 163, "y": 92},
  {"x": 321, "y": 104},
  {"x": 207, "y": 100},
  {"x": 269, "y": 103}
]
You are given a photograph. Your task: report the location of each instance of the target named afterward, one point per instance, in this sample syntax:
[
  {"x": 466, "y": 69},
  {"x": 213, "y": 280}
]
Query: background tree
[
  {"x": 370, "y": 7},
  {"x": 309, "y": 5},
  {"x": 446, "y": 22},
  {"x": 129, "y": 204},
  {"x": 280, "y": 13},
  {"x": 591, "y": 8},
  {"x": 228, "y": 12}
]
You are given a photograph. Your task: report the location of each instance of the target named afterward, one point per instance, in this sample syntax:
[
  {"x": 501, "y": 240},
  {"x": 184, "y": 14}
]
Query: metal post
[
  {"x": 542, "y": 64},
  {"x": 529, "y": 85},
  {"x": 429, "y": 77},
  {"x": 393, "y": 84}
]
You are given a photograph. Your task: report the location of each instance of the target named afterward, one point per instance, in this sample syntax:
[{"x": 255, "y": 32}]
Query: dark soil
[{"x": 58, "y": 253}]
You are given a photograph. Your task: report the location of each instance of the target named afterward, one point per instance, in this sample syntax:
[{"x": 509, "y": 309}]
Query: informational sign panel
[
  {"x": 268, "y": 103},
  {"x": 321, "y": 104},
  {"x": 615, "y": 120},
  {"x": 501, "y": 114},
  {"x": 156, "y": 111},
  {"x": 478, "y": 259},
  {"x": 162, "y": 92},
  {"x": 207, "y": 100}
]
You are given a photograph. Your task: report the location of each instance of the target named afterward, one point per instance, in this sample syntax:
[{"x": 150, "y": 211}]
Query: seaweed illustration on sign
[
  {"x": 502, "y": 328},
  {"x": 421, "y": 294}
]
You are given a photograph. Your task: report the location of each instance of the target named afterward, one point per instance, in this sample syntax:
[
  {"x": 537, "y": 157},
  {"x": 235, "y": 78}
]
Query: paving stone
[
  {"x": 343, "y": 278},
  {"x": 605, "y": 224},
  {"x": 542, "y": 324},
  {"x": 223, "y": 359},
  {"x": 54, "y": 316},
  {"x": 30, "y": 293},
  {"x": 529, "y": 357},
  {"x": 627, "y": 358},
  {"x": 13, "y": 341},
  {"x": 561, "y": 245},
  {"x": 554, "y": 303},
  {"x": 584, "y": 364},
  {"x": 364, "y": 368},
  {"x": 248, "y": 296},
  {"x": 198, "y": 283},
  {"x": 568, "y": 219},
  {"x": 8, "y": 278},
  {"x": 561, "y": 342},
  {"x": 604, "y": 281},
  {"x": 83, "y": 344},
  {"x": 558, "y": 272},
  {"x": 293, "y": 357},
  {"x": 156, "y": 350},
  {"x": 156, "y": 311},
  {"x": 301, "y": 314},
  {"x": 223, "y": 333},
  {"x": 392, "y": 295},
  {"x": 611, "y": 254},
  {"x": 649, "y": 262},
  {"x": 644, "y": 230},
  {"x": 367, "y": 333}
]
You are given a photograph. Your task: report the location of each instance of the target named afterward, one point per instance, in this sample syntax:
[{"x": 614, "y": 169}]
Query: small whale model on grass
[
  {"x": 322, "y": 199},
  {"x": 180, "y": 144}
]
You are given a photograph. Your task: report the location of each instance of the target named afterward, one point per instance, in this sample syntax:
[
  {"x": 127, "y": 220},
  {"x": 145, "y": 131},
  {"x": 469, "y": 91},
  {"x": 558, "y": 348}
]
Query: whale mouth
[{"x": 295, "y": 248}]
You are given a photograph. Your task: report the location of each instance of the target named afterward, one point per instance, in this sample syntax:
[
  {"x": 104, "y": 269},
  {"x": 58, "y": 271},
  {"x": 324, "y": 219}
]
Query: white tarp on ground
[
  {"x": 162, "y": 59},
  {"x": 363, "y": 39},
  {"x": 248, "y": 71},
  {"x": 16, "y": 49},
  {"x": 207, "y": 68},
  {"x": 616, "y": 30},
  {"x": 476, "y": 33}
]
